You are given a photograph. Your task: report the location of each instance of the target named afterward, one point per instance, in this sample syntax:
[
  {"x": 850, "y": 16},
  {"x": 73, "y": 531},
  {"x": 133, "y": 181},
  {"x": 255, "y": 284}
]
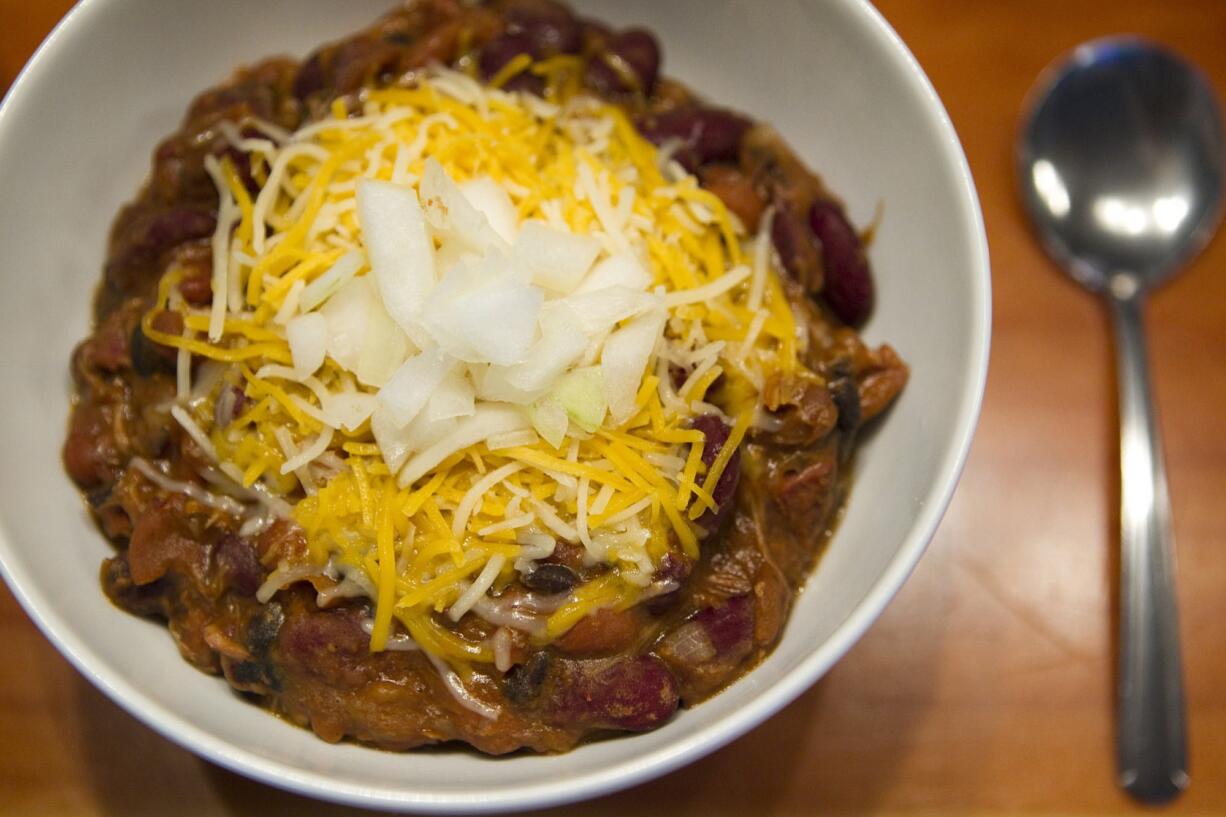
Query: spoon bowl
[
  {"x": 1121, "y": 162},
  {"x": 1121, "y": 168}
]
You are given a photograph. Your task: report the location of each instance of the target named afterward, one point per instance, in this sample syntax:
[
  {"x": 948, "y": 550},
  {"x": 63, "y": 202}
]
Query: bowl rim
[{"x": 704, "y": 740}]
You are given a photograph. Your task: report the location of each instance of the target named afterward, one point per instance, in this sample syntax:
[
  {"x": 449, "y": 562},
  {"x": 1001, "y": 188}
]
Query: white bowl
[{"x": 76, "y": 135}]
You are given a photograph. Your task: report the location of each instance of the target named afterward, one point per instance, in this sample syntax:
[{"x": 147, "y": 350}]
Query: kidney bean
[
  {"x": 161, "y": 542},
  {"x": 196, "y": 286},
  {"x": 797, "y": 246},
  {"x": 706, "y": 134},
  {"x": 90, "y": 453},
  {"x": 150, "y": 357},
  {"x": 716, "y": 433},
  {"x": 729, "y": 626},
  {"x": 802, "y": 485},
  {"x": 361, "y": 61},
  {"x": 636, "y": 693},
  {"x": 310, "y": 77},
  {"x": 148, "y": 236},
  {"x": 550, "y": 27},
  {"x": 848, "y": 289},
  {"x": 501, "y": 50},
  {"x": 551, "y": 579},
  {"x": 239, "y": 564},
  {"x": 636, "y": 52}
]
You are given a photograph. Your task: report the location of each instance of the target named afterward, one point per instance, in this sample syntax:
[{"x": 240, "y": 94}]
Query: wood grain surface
[{"x": 986, "y": 688}]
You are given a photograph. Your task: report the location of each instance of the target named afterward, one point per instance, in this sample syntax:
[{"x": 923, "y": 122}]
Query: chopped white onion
[
  {"x": 408, "y": 390},
  {"x": 390, "y": 437},
  {"x": 561, "y": 344},
  {"x": 550, "y": 420},
  {"x": 559, "y": 259},
  {"x": 581, "y": 394},
  {"x": 348, "y": 313},
  {"x": 624, "y": 359},
  {"x": 450, "y": 213},
  {"x": 400, "y": 247},
  {"x": 491, "y": 200},
  {"x": 454, "y": 397},
  {"x": 484, "y": 315},
  {"x": 348, "y": 410},
  {"x": 600, "y": 310},
  {"x": 308, "y": 342},
  {"x": 620, "y": 270}
]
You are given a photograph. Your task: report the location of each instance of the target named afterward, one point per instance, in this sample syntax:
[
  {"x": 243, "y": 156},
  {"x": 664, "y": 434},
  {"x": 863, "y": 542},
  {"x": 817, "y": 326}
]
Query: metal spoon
[{"x": 1121, "y": 166}]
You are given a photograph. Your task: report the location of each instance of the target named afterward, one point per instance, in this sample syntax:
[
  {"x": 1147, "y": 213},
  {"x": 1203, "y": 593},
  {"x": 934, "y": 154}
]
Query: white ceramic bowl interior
[{"x": 76, "y": 135}]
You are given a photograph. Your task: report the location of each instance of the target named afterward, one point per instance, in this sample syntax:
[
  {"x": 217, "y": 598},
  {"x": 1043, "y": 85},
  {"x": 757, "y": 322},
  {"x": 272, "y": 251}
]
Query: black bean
[
  {"x": 848, "y": 288},
  {"x": 715, "y": 432},
  {"x": 846, "y": 394},
  {"x": 705, "y": 134},
  {"x": 551, "y": 579},
  {"x": 523, "y": 682},
  {"x": 148, "y": 358},
  {"x": 264, "y": 628}
]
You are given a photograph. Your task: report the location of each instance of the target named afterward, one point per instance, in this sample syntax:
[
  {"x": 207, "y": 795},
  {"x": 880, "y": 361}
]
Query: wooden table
[{"x": 986, "y": 687}]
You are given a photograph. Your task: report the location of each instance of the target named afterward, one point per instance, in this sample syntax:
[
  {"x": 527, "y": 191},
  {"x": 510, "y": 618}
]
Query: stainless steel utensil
[{"x": 1121, "y": 167}]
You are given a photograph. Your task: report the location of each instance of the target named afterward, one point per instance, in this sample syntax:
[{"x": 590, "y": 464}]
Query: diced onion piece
[
  {"x": 451, "y": 253},
  {"x": 559, "y": 260},
  {"x": 550, "y": 420},
  {"x": 624, "y": 358},
  {"x": 384, "y": 347},
  {"x": 408, "y": 390},
  {"x": 620, "y": 270},
  {"x": 481, "y": 317},
  {"x": 391, "y": 438},
  {"x": 488, "y": 420},
  {"x": 308, "y": 342},
  {"x": 491, "y": 200},
  {"x": 348, "y": 313},
  {"x": 601, "y": 310},
  {"x": 562, "y": 342},
  {"x": 331, "y": 282},
  {"x": 449, "y": 211},
  {"x": 349, "y": 410},
  {"x": 581, "y": 394},
  {"x": 424, "y": 432},
  {"x": 400, "y": 247},
  {"x": 492, "y": 384},
  {"x": 454, "y": 397}
]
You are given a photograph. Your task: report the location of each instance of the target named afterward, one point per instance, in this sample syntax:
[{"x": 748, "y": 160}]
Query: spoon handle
[{"x": 1151, "y": 741}]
